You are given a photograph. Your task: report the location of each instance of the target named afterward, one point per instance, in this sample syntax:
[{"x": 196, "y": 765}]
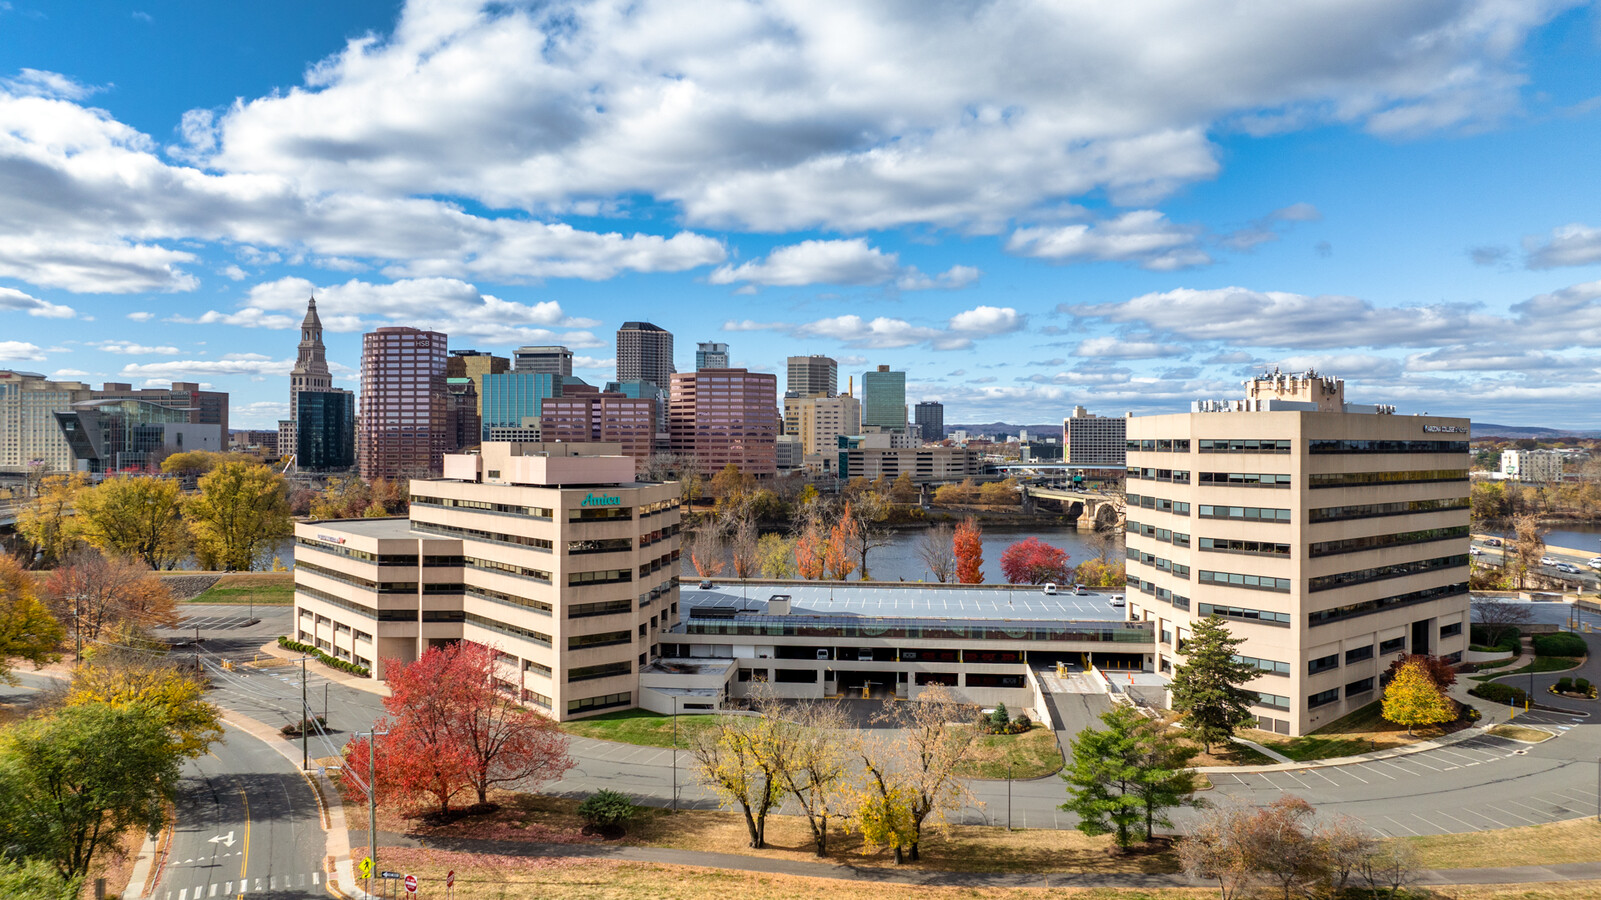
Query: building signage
[
  {"x": 1445, "y": 429},
  {"x": 601, "y": 500},
  {"x": 330, "y": 539}
]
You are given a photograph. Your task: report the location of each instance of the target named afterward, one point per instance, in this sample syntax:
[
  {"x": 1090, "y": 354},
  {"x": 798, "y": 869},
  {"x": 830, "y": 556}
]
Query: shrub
[
  {"x": 1564, "y": 685},
  {"x": 1560, "y": 644},
  {"x": 325, "y": 659},
  {"x": 1000, "y": 717},
  {"x": 1022, "y": 722},
  {"x": 1510, "y": 641},
  {"x": 607, "y": 809},
  {"x": 1582, "y": 685},
  {"x": 1499, "y": 693}
]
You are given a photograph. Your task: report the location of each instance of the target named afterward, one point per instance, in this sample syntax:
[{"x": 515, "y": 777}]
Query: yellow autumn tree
[
  {"x": 242, "y": 510},
  {"x": 1413, "y": 699},
  {"x": 121, "y": 681},
  {"x": 48, "y": 522},
  {"x": 733, "y": 759},
  {"x": 27, "y": 630},
  {"x": 135, "y": 516}
]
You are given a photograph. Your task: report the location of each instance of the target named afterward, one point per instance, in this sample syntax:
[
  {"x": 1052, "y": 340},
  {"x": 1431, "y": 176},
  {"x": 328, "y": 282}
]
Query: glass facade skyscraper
[
  {"x": 884, "y": 398},
  {"x": 325, "y": 432},
  {"x": 510, "y": 397}
]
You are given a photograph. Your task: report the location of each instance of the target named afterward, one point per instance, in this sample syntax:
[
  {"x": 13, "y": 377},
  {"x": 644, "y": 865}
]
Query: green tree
[
  {"x": 27, "y": 630},
  {"x": 35, "y": 879},
  {"x": 243, "y": 508},
  {"x": 48, "y": 522},
  {"x": 1165, "y": 780},
  {"x": 1207, "y": 687},
  {"x": 73, "y": 783},
  {"x": 1413, "y": 699},
  {"x": 1104, "y": 775},
  {"x": 135, "y": 516},
  {"x": 775, "y": 555}
]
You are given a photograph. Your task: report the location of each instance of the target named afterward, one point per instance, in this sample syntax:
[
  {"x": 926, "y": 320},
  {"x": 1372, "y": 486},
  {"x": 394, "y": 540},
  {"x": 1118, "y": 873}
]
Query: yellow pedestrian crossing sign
[{"x": 366, "y": 867}]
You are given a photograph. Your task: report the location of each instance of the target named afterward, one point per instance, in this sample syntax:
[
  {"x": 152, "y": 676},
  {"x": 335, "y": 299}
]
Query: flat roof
[
  {"x": 907, "y": 601},
  {"x": 374, "y": 528}
]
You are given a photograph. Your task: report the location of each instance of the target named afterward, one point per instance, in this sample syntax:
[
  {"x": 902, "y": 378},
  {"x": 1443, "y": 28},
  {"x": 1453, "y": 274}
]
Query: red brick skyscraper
[
  {"x": 402, "y": 403},
  {"x": 722, "y": 416}
]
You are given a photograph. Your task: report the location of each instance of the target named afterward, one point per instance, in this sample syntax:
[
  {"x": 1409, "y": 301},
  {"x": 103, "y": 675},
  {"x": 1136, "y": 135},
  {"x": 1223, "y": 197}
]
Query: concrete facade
[
  {"x": 551, "y": 553},
  {"x": 1091, "y": 440},
  {"x": 1331, "y": 541},
  {"x": 1534, "y": 466},
  {"x": 644, "y": 353},
  {"x": 29, "y": 435},
  {"x": 808, "y": 375},
  {"x": 550, "y": 360}
]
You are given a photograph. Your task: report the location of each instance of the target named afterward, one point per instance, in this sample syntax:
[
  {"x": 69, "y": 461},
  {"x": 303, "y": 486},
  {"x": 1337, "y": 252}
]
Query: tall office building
[
  {"x": 711, "y": 356},
  {"x": 644, "y": 353},
  {"x": 809, "y": 375},
  {"x": 930, "y": 417},
  {"x": 463, "y": 424},
  {"x": 822, "y": 420},
  {"x": 543, "y": 360},
  {"x": 325, "y": 430},
  {"x": 310, "y": 373},
  {"x": 1091, "y": 440},
  {"x": 402, "y": 403},
  {"x": 475, "y": 364},
  {"x": 1331, "y": 537},
  {"x": 1534, "y": 466},
  {"x": 602, "y": 418},
  {"x": 30, "y": 438},
  {"x": 511, "y": 397},
  {"x": 551, "y": 553},
  {"x": 723, "y": 416},
  {"x": 884, "y": 398},
  {"x": 203, "y": 407}
]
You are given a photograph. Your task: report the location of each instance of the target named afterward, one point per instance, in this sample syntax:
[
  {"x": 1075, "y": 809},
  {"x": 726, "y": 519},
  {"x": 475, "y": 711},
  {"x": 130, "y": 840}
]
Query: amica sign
[{"x": 602, "y": 500}]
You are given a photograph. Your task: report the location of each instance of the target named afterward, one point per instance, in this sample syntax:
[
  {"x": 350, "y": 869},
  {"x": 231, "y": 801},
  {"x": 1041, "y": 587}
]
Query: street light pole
[
  {"x": 1008, "y": 796},
  {"x": 675, "y": 753}
]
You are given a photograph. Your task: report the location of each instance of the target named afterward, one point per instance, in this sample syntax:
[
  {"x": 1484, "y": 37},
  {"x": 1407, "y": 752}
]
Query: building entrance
[{"x": 857, "y": 685}]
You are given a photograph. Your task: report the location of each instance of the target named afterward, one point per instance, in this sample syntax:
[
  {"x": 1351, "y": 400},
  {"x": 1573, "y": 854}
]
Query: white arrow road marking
[{"x": 225, "y": 840}]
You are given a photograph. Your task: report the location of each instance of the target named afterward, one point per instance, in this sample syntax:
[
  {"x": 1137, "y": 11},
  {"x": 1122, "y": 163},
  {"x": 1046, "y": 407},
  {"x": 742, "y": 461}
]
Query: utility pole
[
  {"x": 305, "y": 715},
  {"x": 372, "y": 797},
  {"x": 77, "y": 631},
  {"x": 675, "y": 753},
  {"x": 1008, "y": 796},
  {"x": 197, "y": 649}
]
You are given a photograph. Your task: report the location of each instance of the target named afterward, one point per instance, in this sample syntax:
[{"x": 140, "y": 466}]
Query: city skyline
[{"x": 1019, "y": 218}]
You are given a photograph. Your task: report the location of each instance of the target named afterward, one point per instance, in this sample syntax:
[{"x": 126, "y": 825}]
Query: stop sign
[{"x": 411, "y": 884}]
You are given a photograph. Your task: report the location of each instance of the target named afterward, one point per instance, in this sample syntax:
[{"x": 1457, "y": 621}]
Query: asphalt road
[
  {"x": 1482, "y": 783},
  {"x": 1589, "y": 578}
]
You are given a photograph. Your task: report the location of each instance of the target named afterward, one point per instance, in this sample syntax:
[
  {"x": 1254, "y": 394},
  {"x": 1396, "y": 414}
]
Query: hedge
[
  {"x": 1496, "y": 692},
  {"x": 1479, "y": 639},
  {"x": 326, "y": 660},
  {"x": 1562, "y": 643}
]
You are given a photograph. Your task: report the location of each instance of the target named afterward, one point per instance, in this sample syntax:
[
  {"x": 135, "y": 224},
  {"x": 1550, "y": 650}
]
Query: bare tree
[
  {"x": 742, "y": 546},
  {"x": 868, "y": 510},
  {"x": 938, "y": 551},
  {"x": 1393, "y": 865},
  {"x": 1289, "y": 852},
  {"x": 1220, "y": 848},
  {"x": 1529, "y": 546},
  {"x": 925, "y": 757},
  {"x": 1348, "y": 844},
  {"x": 1498, "y": 617},
  {"x": 706, "y": 552}
]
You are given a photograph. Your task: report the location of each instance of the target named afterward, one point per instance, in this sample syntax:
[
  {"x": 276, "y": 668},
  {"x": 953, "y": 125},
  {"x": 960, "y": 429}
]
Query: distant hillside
[{"x": 1486, "y": 429}]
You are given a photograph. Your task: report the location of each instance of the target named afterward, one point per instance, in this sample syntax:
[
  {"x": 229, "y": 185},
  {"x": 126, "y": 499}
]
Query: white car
[
  {"x": 1475, "y": 551},
  {"x": 1050, "y": 588},
  {"x": 1547, "y": 561},
  {"x": 1117, "y": 600},
  {"x": 1569, "y": 568},
  {"x": 1596, "y": 563}
]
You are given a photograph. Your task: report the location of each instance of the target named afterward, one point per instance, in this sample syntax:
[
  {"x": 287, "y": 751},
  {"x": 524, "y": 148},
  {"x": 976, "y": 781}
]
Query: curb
[{"x": 1332, "y": 761}]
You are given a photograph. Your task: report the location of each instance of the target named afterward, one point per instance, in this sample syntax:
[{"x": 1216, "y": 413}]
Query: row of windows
[
  {"x": 1159, "y": 504},
  {"x": 1380, "y": 573},
  {"x": 1270, "y": 666},
  {"x": 599, "y": 513},
  {"x": 1367, "y": 607},
  {"x": 1245, "y": 614},
  {"x": 603, "y": 639},
  {"x": 1374, "y": 542},
  {"x": 604, "y": 670},
  {"x": 1333, "y": 446},
  {"x": 1180, "y": 445},
  {"x": 533, "y": 512},
  {"x": 478, "y": 534},
  {"x": 1371, "y": 479},
  {"x": 1246, "y": 479},
  {"x": 600, "y": 545},
  {"x": 585, "y": 610},
  {"x": 1165, "y": 535},
  {"x": 1272, "y": 701},
  {"x": 1245, "y": 513},
  {"x": 1167, "y": 596},
  {"x": 602, "y": 576},
  {"x": 1250, "y": 548},
  {"x": 1165, "y": 565},
  {"x": 527, "y": 634},
  {"x": 1375, "y": 510},
  {"x": 1178, "y": 476},
  {"x": 1243, "y": 446},
  {"x": 606, "y": 702},
  {"x": 1252, "y": 582},
  {"x": 490, "y": 565},
  {"x": 482, "y": 593}
]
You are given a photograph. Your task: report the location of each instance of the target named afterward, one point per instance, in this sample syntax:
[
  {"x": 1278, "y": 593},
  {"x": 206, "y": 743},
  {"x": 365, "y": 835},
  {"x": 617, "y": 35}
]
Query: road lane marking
[
  {"x": 1324, "y": 777},
  {"x": 244, "y": 862},
  {"x": 213, "y": 891}
]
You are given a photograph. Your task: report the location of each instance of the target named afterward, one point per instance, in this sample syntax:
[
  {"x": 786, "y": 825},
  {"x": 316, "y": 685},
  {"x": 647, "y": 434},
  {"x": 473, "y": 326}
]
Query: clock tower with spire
[{"x": 310, "y": 375}]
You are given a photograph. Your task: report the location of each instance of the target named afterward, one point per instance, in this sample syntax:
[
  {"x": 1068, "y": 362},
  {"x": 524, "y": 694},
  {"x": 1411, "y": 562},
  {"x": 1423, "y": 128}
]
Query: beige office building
[
  {"x": 551, "y": 553},
  {"x": 824, "y": 419},
  {"x": 29, "y": 435},
  {"x": 1332, "y": 537}
]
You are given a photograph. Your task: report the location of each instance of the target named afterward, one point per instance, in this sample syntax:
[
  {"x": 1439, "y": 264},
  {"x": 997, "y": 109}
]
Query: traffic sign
[
  {"x": 366, "y": 867},
  {"x": 411, "y": 884},
  {"x": 450, "y": 878},
  {"x": 389, "y": 875}
]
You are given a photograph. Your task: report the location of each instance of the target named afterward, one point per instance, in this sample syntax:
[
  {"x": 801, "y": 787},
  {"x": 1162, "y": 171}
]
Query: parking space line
[
  {"x": 1400, "y": 826},
  {"x": 1320, "y": 774},
  {"x": 1507, "y": 812},
  {"x": 1432, "y": 829},
  {"x": 1346, "y": 770},
  {"x": 1538, "y": 812},
  {"x": 1470, "y": 826}
]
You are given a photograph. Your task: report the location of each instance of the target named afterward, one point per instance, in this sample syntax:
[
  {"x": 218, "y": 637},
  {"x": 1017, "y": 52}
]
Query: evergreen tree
[
  {"x": 1207, "y": 687},
  {"x": 1104, "y": 776},
  {"x": 1165, "y": 779}
]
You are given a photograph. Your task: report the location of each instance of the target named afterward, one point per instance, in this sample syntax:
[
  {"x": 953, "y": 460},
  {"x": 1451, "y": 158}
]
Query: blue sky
[{"x": 1025, "y": 205}]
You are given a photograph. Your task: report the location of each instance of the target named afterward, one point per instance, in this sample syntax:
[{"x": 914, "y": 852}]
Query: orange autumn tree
[
  {"x": 969, "y": 545},
  {"x": 838, "y": 555},
  {"x": 810, "y": 552}
]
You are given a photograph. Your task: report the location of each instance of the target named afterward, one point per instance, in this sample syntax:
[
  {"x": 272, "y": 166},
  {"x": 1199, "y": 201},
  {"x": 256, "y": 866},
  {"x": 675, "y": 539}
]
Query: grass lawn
[
  {"x": 265, "y": 588},
  {"x": 1576, "y": 840},
  {"x": 1360, "y": 731},
  {"x": 1032, "y": 754},
  {"x": 1540, "y": 664},
  {"x": 638, "y": 726}
]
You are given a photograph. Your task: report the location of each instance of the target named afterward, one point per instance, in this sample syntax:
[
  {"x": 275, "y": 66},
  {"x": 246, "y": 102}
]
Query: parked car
[
  {"x": 1569, "y": 568},
  {"x": 1547, "y": 561},
  {"x": 1475, "y": 551},
  {"x": 1492, "y": 542},
  {"x": 1596, "y": 563},
  {"x": 1050, "y": 588},
  {"x": 1117, "y": 600},
  {"x": 1078, "y": 589},
  {"x": 707, "y": 585}
]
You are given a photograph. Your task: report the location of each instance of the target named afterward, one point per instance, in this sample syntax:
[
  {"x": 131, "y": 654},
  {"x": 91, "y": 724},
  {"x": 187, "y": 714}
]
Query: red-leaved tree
[
  {"x": 1032, "y": 561},
  {"x": 451, "y": 730},
  {"x": 969, "y": 546},
  {"x": 811, "y": 552}
]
